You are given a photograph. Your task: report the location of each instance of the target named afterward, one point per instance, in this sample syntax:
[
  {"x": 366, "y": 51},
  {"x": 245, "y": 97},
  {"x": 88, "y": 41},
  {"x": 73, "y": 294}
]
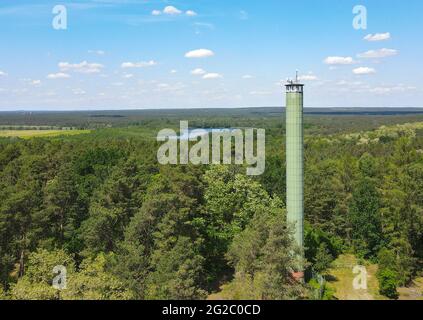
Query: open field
[
  {"x": 27, "y": 134},
  {"x": 341, "y": 278}
]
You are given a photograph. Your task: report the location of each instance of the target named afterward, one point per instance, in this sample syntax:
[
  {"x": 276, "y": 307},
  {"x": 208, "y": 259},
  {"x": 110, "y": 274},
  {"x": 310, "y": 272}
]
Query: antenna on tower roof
[{"x": 296, "y": 76}]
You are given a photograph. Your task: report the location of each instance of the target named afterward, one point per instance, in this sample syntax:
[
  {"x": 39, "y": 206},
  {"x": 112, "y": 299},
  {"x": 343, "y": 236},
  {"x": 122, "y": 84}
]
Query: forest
[{"x": 127, "y": 228}]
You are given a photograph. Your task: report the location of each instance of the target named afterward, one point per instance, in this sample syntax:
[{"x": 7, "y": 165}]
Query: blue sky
[{"x": 133, "y": 54}]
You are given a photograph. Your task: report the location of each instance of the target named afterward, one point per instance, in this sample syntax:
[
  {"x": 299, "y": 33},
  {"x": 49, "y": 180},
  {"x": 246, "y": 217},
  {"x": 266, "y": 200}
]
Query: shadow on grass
[{"x": 331, "y": 278}]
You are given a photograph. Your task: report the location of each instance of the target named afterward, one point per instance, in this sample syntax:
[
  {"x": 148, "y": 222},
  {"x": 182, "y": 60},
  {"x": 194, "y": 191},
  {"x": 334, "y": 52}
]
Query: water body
[{"x": 199, "y": 132}]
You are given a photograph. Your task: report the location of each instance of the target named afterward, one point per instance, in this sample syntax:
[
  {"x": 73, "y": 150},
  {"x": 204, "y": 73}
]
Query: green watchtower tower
[{"x": 295, "y": 163}]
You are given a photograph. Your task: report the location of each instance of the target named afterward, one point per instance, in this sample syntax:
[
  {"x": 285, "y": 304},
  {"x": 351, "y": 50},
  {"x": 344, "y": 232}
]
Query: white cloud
[
  {"x": 83, "y": 67},
  {"x": 391, "y": 89},
  {"x": 308, "y": 77},
  {"x": 247, "y": 76},
  {"x": 200, "y": 53},
  {"x": 378, "y": 37},
  {"x": 35, "y": 82},
  {"x": 198, "y": 72},
  {"x": 176, "y": 88},
  {"x": 141, "y": 64},
  {"x": 128, "y": 76},
  {"x": 173, "y": 71},
  {"x": 380, "y": 90},
  {"x": 348, "y": 83},
  {"x": 3, "y": 74},
  {"x": 381, "y": 53},
  {"x": 59, "y": 75},
  {"x": 191, "y": 13},
  {"x": 339, "y": 60},
  {"x": 364, "y": 71},
  {"x": 212, "y": 76},
  {"x": 172, "y": 10}
]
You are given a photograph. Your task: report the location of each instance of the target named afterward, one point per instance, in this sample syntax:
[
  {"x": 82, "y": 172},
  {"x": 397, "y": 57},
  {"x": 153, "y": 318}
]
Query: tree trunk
[{"x": 22, "y": 264}]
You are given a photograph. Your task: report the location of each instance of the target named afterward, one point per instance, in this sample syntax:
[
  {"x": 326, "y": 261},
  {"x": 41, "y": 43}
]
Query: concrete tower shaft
[{"x": 295, "y": 160}]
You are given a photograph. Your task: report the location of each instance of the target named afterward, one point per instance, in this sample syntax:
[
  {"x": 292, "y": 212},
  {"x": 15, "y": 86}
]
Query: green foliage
[
  {"x": 131, "y": 265},
  {"x": 386, "y": 259},
  {"x": 27, "y": 290},
  {"x": 3, "y": 295},
  {"x": 130, "y": 229},
  {"x": 320, "y": 248},
  {"x": 59, "y": 217},
  {"x": 36, "y": 284},
  {"x": 232, "y": 200},
  {"x": 323, "y": 259},
  {"x": 388, "y": 283},
  {"x": 113, "y": 205},
  {"x": 321, "y": 291},
  {"x": 365, "y": 218},
  {"x": 262, "y": 255},
  {"x": 367, "y": 165},
  {"x": 91, "y": 282},
  {"x": 95, "y": 282},
  {"x": 326, "y": 198},
  {"x": 274, "y": 177},
  {"x": 164, "y": 239},
  {"x": 243, "y": 287},
  {"x": 329, "y": 293},
  {"x": 177, "y": 273},
  {"x": 388, "y": 273}
]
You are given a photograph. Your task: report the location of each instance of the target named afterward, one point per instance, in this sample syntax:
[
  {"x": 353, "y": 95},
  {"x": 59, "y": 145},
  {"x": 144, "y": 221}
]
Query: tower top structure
[{"x": 294, "y": 85}]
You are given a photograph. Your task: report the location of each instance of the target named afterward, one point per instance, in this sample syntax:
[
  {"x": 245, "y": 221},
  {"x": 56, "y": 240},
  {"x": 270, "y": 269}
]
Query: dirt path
[{"x": 413, "y": 292}]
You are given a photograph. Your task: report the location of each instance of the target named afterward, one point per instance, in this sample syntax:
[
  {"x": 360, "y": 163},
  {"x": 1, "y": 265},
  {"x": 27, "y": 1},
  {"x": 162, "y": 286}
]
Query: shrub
[{"x": 388, "y": 283}]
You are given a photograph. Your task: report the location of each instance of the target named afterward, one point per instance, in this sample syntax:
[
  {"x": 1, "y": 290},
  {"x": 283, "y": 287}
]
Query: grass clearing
[
  {"x": 28, "y": 134},
  {"x": 340, "y": 277}
]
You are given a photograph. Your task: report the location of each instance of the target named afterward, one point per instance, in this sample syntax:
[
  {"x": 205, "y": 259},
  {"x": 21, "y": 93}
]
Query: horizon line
[{"x": 195, "y": 108}]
